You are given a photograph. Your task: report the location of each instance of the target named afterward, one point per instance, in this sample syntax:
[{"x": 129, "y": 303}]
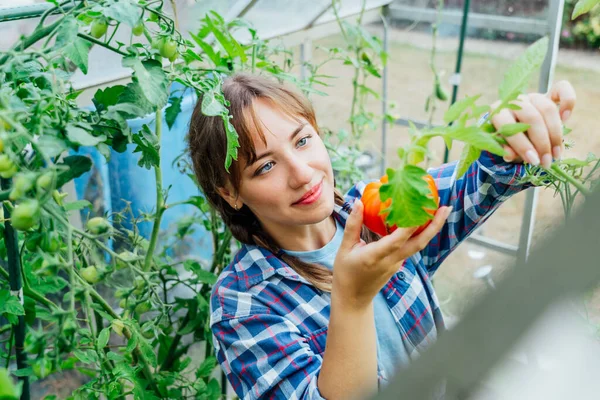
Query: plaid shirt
[{"x": 269, "y": 324}]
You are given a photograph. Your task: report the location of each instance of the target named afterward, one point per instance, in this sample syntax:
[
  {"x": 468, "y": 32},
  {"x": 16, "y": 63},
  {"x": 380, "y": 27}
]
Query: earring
[{"x": 235, "y": 206}]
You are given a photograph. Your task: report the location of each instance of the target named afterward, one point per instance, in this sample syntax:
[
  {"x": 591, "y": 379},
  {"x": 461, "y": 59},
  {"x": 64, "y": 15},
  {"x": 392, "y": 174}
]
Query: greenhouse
[{"x": 318, "y": 199}]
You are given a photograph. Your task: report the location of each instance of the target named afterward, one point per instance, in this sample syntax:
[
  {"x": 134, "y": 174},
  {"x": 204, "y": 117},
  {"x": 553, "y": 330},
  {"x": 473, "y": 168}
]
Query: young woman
[{"x": 314, "y": 305}]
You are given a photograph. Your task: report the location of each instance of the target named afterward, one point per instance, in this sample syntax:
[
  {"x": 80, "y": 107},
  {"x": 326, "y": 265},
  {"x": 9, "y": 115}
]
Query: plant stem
[
  {"x": 101, "y": 43},
  {"x": 160, "y": 206},
  {"x": 556, "y": 169}
]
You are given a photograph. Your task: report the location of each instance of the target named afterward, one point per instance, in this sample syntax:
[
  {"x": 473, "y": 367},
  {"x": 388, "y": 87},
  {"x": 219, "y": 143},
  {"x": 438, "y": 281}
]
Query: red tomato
[{"x": 373, "y": 206}]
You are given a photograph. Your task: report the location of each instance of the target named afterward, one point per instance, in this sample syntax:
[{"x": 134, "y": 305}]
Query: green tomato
[
  {"x": 98, "y": 29},
  {"x": 45, "y": 181},
  {"x": 23, "y": 182},
  {"x": 123, "y": 303},
  {"x": 50, "y": 242},
  {"x": 9, "y": 173},
  {"x": 168, "y": 48},
  {"x": 42, "y": 368},
  {"x": 98, "y": 225},
  {"x": 138, "y": 29},
  {"x": 153, "y": 17},
  {"x": 15, "y": 194},
  {"x": 139, "y": 285},
  {"x": 143, "y": 307},
  {"x": 90, "y": 274},
  {"x": 25, "y": 215},
  {"x": 439, "y": 91},
  {"x": 173, "y": 57},
  {"x": 125, "y": 258},
  {"x": 147, "y": 330},
  {"x": 5, "y": 163},
  {"x": 33, "y": 241}
]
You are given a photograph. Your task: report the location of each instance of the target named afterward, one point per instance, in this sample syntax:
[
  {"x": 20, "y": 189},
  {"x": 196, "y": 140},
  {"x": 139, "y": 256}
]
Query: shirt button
[{"x": 401, "y": 275}]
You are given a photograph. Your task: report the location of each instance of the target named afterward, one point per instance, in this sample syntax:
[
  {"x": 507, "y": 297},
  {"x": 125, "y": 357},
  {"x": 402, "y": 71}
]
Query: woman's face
[{"x": 293, "y": 162}]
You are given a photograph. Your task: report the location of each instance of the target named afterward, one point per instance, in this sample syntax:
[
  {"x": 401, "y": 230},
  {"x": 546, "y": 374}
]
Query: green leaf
[
  {"x": 518, "y": 75},
  {"x": 207, "y": 49},
  {"x": 103, "y": 338},
  {"x": 173, "y": 110},
  {"x": 468, "y": 156},
  {"x": 459, "y": 107},
  {"x": 77, "y": 51},
  {"x": 151, "y": 78},
  {"x": 123, "y": 11},
  {"x": 8, "y": 390},
  {"x": 583, "y": 6},
  {"x": 206, "y": 368},
  {"x": 203, "y": 275},
  {"x": 147, "y": 144},
  {"x": 147, "y": 351},
  {"x": 10, "y": 304},
  {"x": 213, "y": 390},
  {"x": 513, "y": 129},
  {"x": 230, "y": 45},
  {"x": 87, "y": 357},
  {"x": 82, "y": 137},
  {"x": 212, "y": 103},
  {"x": 107, "y": 97},
  {"x": 410, "y": 196},
  {"x": 78, "y": 205},
  {"x": 51, "y": 146},
  {"x": 476, "y": 137},
  {"x": 232, "y": 142},
  {"x": 77, "y": 164}
]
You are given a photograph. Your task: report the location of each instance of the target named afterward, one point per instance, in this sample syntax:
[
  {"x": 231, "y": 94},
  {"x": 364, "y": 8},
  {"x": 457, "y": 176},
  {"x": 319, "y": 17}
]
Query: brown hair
[{"x": 207, "y": 146}]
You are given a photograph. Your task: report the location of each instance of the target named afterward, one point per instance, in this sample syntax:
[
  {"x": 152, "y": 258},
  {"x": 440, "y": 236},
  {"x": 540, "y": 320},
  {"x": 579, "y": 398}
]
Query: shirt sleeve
[
  {"x": 265, "y": 357},
  {"x": 475, "y": 196}
]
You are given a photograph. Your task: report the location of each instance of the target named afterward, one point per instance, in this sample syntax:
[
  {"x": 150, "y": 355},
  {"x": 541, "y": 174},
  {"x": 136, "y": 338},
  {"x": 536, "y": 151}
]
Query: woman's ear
[{"x": 228, "y": 193}]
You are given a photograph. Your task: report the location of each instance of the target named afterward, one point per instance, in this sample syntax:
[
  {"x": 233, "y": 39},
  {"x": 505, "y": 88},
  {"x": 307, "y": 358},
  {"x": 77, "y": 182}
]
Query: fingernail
[
  {"x": 449, "y": 211},
  {"x": 566, "y": 115},
  {"x": 546, "y": 160},
  {"x": 355, "y": 208},
  {"x": 532, "y": 157},
  {"x": 556, "y": 152},
  {"x": 507, "y": 158}
]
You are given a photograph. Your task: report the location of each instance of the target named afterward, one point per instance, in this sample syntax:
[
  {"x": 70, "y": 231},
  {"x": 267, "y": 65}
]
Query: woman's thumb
[{"x": 353, "y": 225}]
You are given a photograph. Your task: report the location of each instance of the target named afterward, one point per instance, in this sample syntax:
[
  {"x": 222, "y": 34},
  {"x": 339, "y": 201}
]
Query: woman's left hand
[{"x": 544, "y": 138}]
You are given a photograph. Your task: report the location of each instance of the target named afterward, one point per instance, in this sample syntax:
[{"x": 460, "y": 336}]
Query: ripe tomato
[{"x": 373, "y": 206}]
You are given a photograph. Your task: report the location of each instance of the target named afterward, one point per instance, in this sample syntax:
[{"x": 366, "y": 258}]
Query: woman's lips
[{"x": 313, "y": 197}]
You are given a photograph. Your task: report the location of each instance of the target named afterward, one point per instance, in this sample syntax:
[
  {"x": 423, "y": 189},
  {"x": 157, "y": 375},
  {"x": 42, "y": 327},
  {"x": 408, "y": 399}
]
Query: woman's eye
[
  {"x": 263, "y": 169},
  {"x": 305, "y": 138}
]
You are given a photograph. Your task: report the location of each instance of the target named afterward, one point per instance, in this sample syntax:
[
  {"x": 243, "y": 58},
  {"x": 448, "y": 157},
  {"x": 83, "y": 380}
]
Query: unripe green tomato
[
  {"x": 123, "y": 303},
  {"x": 147, "y": 330},
  {"x": 153, "y": 17},
  {"x": 439, "y": 92},
  {"x": 117, "y": 326},
  {"x": 173, "y": 57},
  {"x": 15, "y": 194},
  {"x": 32, "y": 241},
  {"x": 124, "y": 257},
  {"x": 45, "y": 180},
  {"x": 98, "y": 29},
  {"x": 168, "y": 48},
  {"x": 139, "y": 285},
  {"x": 98, "y": 225},
  {"x": 23, "y": 182},
  {"x": 25, "y": 215},
  {"x": 9, "y": 173},
  {"x": 143, "y": 307},
  {"x": 138, "y": 29},
  {"x": 5, "y": 163},
  {"x": 50, "y": 242},
  {"x": 121, "y": 293},
  {"x": 42, "y": 368},
  {"x": 90, "y": 274}
]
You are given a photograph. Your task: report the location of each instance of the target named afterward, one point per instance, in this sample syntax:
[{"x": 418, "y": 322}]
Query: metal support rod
[
  {"x": 546, "y": 74},
  {"x": 456, "y": 77},
  {"x": 384, "y": 89},
  {"x": 16, "y": 289}
]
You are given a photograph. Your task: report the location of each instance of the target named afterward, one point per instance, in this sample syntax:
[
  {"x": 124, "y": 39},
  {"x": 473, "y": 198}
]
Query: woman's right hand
[{"x": 361, "y": 270}]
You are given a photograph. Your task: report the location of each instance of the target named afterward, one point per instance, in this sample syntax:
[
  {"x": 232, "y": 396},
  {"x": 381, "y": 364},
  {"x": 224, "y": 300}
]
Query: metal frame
[{"x": 550, "y": 27}]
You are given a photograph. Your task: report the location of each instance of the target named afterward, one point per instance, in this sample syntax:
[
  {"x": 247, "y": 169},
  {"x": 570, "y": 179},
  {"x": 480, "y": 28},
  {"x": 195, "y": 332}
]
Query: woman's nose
[{"x": 301, "y": 173}]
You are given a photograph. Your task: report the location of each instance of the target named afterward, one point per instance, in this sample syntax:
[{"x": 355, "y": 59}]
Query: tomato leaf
[
  {"x": 409, "y": 193},
  {"x": 206, "y": 368},
  {"x": 476, "y": 137},
  {"x": 151, "y": 78},
  {"x": 78, "y": 165},
  {"x": 513, "y": 129},
  {"x": 83, "y": 137},
  {"x": 148, "y": 145},
  {"x": 173, "y": 110},
  {"x": 103, "y": 338},
  {"x": 468, "y": 156},
  {"x": 10, "y": 304},
  {"x": 583, "y": 6},
  {"x": 518, "y": 75},
  {"x": 459, "y": 107},
  {"x": 73, "y": 47},
  {"x": 123, "y": 11}
]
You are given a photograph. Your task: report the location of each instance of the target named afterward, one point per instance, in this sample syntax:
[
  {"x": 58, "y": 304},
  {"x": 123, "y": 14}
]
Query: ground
[{"x": 484, "y": 64}]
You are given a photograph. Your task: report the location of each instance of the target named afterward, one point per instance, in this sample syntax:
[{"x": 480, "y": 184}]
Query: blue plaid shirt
[{"x": 269, "y": 324}]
